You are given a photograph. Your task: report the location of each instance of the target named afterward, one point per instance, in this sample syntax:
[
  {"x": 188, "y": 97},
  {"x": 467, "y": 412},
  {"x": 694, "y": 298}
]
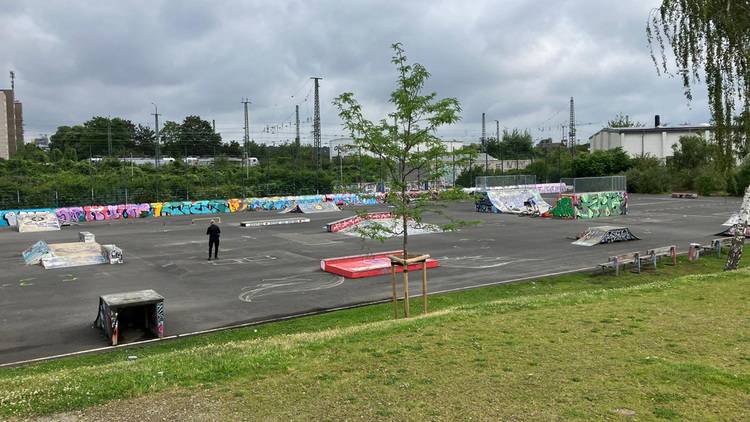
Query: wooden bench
[
  {"x": 653, "y": 255},
  {"x": 715, "y": 246},
  {"x": 632, "y": 258}
]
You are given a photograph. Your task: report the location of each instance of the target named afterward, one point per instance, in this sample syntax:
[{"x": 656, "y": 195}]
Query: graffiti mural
[
  {"x": 70, "y": 215},
  {"x": 563, "y": 207},
  {"x": 541, "y": 187},
  {"x": 347, "y": 222},
  {"x": 513, "y": 201},
  {"x": 74, "y": 215},
  {"x": 160, "y": 319},
  {"x": 601, "y": 204},
  {"x": 590, "y": 205},
  {"x": 37, "y": 221},
  {"x": 10, "y": 217}
]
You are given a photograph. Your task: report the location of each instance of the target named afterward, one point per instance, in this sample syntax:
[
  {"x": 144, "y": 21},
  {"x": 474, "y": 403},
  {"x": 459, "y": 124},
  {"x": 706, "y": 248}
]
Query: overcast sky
[{"x": 517, "y": 61}]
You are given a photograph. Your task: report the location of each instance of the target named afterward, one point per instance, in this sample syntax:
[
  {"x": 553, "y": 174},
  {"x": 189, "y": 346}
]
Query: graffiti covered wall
[
  {"x": 70, "y": 215},
  {"x": 591, "y": 205},
  {"x": 601, "y": 204},
  {"x": 564, "y": 207}
]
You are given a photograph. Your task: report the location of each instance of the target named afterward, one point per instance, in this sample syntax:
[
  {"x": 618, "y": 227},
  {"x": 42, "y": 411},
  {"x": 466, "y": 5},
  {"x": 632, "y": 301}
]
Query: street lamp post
[{"x": 341, "y": 167}]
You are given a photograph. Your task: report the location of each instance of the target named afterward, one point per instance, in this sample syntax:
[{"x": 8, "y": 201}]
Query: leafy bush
[
  {"x": 710, "y": 180},
  {"x": 601, "y": 163},
  {"x": 455, "y": 194},
  {"x": 742, "y": 178},
  {"x": 648, "y": 176}
]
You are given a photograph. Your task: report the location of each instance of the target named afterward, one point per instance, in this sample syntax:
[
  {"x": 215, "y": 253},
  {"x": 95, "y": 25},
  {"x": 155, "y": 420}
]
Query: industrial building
[
  {"x": 11, "y": 123},
  {"x": 656, "y": 141}
]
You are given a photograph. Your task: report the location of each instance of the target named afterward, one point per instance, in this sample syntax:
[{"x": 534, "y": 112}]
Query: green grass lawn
[{"x": 666, "y": 344}]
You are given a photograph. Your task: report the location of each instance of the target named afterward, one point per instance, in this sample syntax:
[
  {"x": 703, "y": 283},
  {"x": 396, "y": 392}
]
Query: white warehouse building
[{"x": 655, "y": 141}]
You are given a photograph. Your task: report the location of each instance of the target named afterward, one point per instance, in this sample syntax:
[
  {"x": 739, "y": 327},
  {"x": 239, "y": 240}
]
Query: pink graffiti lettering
[
  {"x": 95, "y": 213},
  {"x": 69, "y": 215}
]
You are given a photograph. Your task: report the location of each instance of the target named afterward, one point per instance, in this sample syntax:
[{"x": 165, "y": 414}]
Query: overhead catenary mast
[
  {"x": 484, "y": 146},
  {"x": 316, "y": 123},
  {"x": 296, "y": 122},
  {"x": 572, "y": 127},
  {"x": 157, "y": 153},
  {"x": 500, "y": 149},
  {"x": 246, "y": 143}
]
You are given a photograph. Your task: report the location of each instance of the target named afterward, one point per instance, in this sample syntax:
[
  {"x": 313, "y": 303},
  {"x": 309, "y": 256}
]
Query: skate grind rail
[{"x": 273, "y": 222}]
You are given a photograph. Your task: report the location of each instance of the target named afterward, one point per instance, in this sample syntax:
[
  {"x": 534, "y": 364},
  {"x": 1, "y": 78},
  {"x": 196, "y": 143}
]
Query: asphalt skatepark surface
[{"x": 266, "y": 272}]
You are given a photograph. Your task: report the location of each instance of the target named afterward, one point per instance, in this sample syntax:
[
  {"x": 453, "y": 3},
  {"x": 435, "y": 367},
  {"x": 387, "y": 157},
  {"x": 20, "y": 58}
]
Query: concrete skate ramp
[
  {"x": 390, "y": 227},
  {"x": 605, "y": 234},
  {"x": 729, "y": 224},
  {"x": 732, "y": 220},
  {"x": 35, "y": 253},
  {"x": 517, "y": 201},
  {"x": 41, "y": 221},
  {"x": 75, "y": 254},
  {"x": 311, "y": 208},
  {"x": 345, "y": 223}
]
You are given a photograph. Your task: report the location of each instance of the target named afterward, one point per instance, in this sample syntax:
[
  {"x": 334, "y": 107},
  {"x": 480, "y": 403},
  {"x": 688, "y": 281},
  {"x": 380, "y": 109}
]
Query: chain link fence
[
  {"x": 486, "y": 182},
  {"x": 22, "y": 199},
  {"x": 597, "y": 184}
]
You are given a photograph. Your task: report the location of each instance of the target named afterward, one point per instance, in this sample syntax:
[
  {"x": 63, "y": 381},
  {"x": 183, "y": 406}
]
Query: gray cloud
[{"x": 518, "y": 61}]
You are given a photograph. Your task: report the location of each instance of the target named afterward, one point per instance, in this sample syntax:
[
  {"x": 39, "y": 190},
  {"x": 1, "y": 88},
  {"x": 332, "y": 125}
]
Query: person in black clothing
[{"x": 213, "y": 233}]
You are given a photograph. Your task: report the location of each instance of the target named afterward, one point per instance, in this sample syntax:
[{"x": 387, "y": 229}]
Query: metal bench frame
[
  {"x": 655, "y": 254},
  {"x": 633, "y": 258}
]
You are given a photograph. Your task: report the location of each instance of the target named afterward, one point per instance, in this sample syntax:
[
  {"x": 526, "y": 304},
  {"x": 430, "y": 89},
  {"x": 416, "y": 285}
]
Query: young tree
[
  {"x": 406, "y": 141},
  {"x": 144, "y": 138},
  {"x": 169, "y": 137},
  {"x": 199, "y": 136},
  {"x": 516, "y": 145},
  {"x": 709, "y": 39}
]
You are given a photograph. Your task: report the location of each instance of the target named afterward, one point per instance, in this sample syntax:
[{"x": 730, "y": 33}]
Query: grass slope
[{"x": 657, "y": 345}]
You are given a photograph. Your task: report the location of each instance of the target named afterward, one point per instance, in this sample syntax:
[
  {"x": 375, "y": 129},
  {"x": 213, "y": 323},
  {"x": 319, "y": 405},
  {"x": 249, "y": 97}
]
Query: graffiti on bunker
[
  {"x": 563, "y": 208},
  {"x": 600, "y": 204},
  {"x": 590, "y": 205}
]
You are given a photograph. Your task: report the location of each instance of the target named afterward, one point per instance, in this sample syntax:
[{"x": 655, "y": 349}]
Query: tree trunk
[
  {"x": 738, "y": 242},
  {"x": 404, "y": 220}
]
